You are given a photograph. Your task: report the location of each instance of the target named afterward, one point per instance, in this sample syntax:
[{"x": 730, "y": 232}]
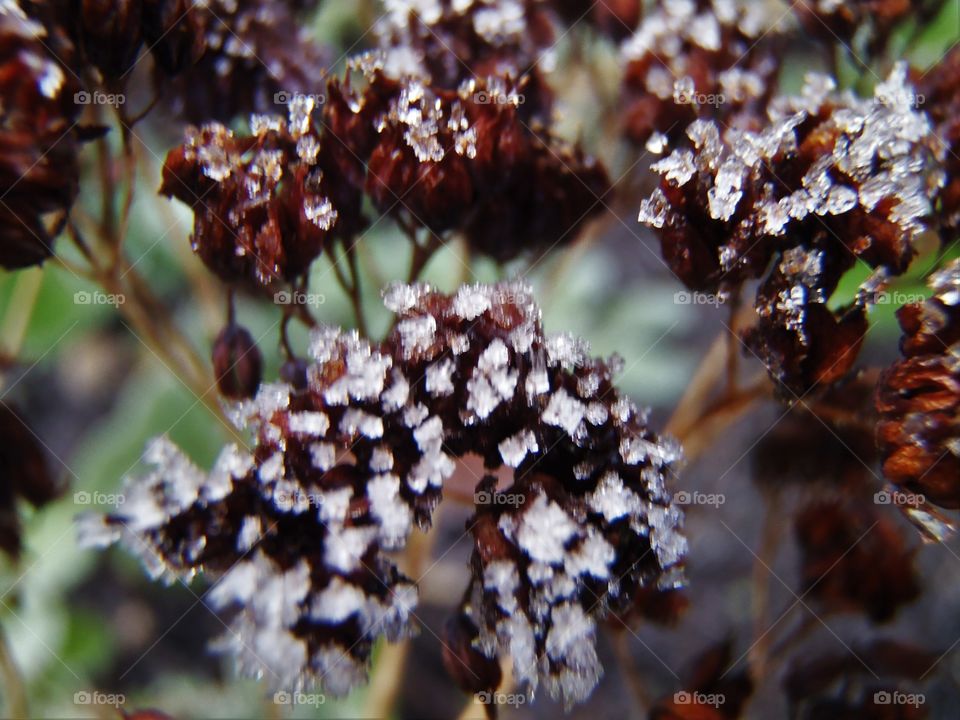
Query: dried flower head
[
  {"x": 38, "y": 146},
  {"x": 919, "y": 397},
  {"x": 854, "y": 559},
  {"x": 263, "y": 208},
  {"x": 464, "y": 160},
  {"x": 700, "y": 59},
  {"x": 834, "y": 180},
  {"x": 258, "y": 55},
  {"x": 295, "y": 530},
  {"x": 860, "y": 682}
]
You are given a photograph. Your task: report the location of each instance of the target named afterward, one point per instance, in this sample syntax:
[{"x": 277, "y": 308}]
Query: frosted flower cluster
[
  {"x": 832, "y": 180},
  {"x": 294, "y": 532},
  {"x": 265, "y": 204},
  {"x": 692, "y": 59}
]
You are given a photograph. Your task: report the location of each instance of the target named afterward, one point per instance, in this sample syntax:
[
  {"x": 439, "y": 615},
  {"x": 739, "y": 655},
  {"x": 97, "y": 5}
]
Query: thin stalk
[{"x": 13, "y": 684}]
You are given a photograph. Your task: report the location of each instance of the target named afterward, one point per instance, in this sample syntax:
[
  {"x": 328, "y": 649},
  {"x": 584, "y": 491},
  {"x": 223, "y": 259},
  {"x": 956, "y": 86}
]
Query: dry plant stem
[
  {"x": 13, "y": 684},
  {"x": 421, "y": 256},
  {"x": 760, "y": 582},
  {"x": 356, "y": 295},
  {"x": 17, "y": 318},
  {"x": 717, "y": 419},
  {"x": 627, "y": 665},
  {"x": 705, "y": 378},
  {"x": 387, "y": 676}
]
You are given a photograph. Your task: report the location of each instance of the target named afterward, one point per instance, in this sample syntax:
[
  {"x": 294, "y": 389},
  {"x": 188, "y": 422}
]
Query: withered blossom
[
  {"x": 832, "y": 181},
  {"x": 854, "y": 558},
  {"x": 463, "y": 160},
  {"x": 258, "y": 56},
  {"x": 262, "y": 202},
  {"x": 703, "y": 59},
  {"x": 38, "y": 143},
  {"x": 859, "y": 683},
  {"x": 938, "y": 93},
  {"x": 918, "y": 397},
  {"x": 294, "y": 532},
  {"x": 711, "y": 691}
]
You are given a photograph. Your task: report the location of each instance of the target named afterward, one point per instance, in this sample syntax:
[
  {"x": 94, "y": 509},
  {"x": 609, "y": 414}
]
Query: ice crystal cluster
[
  {"x": 295, "y": 531},
  {"x": 692, "y": 59},
  {"x": 833, "y": 180}
]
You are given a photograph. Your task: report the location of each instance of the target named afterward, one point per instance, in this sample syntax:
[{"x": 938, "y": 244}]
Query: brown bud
[
  {"x": 470, "y": 669},
  {"x": 237, "y": 362}
]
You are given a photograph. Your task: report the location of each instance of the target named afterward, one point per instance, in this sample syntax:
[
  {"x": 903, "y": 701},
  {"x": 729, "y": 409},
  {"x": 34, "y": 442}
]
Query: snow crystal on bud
[
  {"x": 439, "y": 378},
  {"x": 416, "y": 333},
  {"x": 399, "y": 298},
  {"x": 726, "y": 192},
  {"x": 471, "y": 301},
  {"x": 564, "y": 411},
  {"x": 677, "y": 167},
  {"x": 492, "y": 382},
  {"x": 395, "y": 516},
  {"x": 314, "y": 424},
  {"x": 544, "y": 530},
  {"x": 357, "y": 421},
  {"x": 516, "y": 447},
  {"x": 345, "y": 547}
]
